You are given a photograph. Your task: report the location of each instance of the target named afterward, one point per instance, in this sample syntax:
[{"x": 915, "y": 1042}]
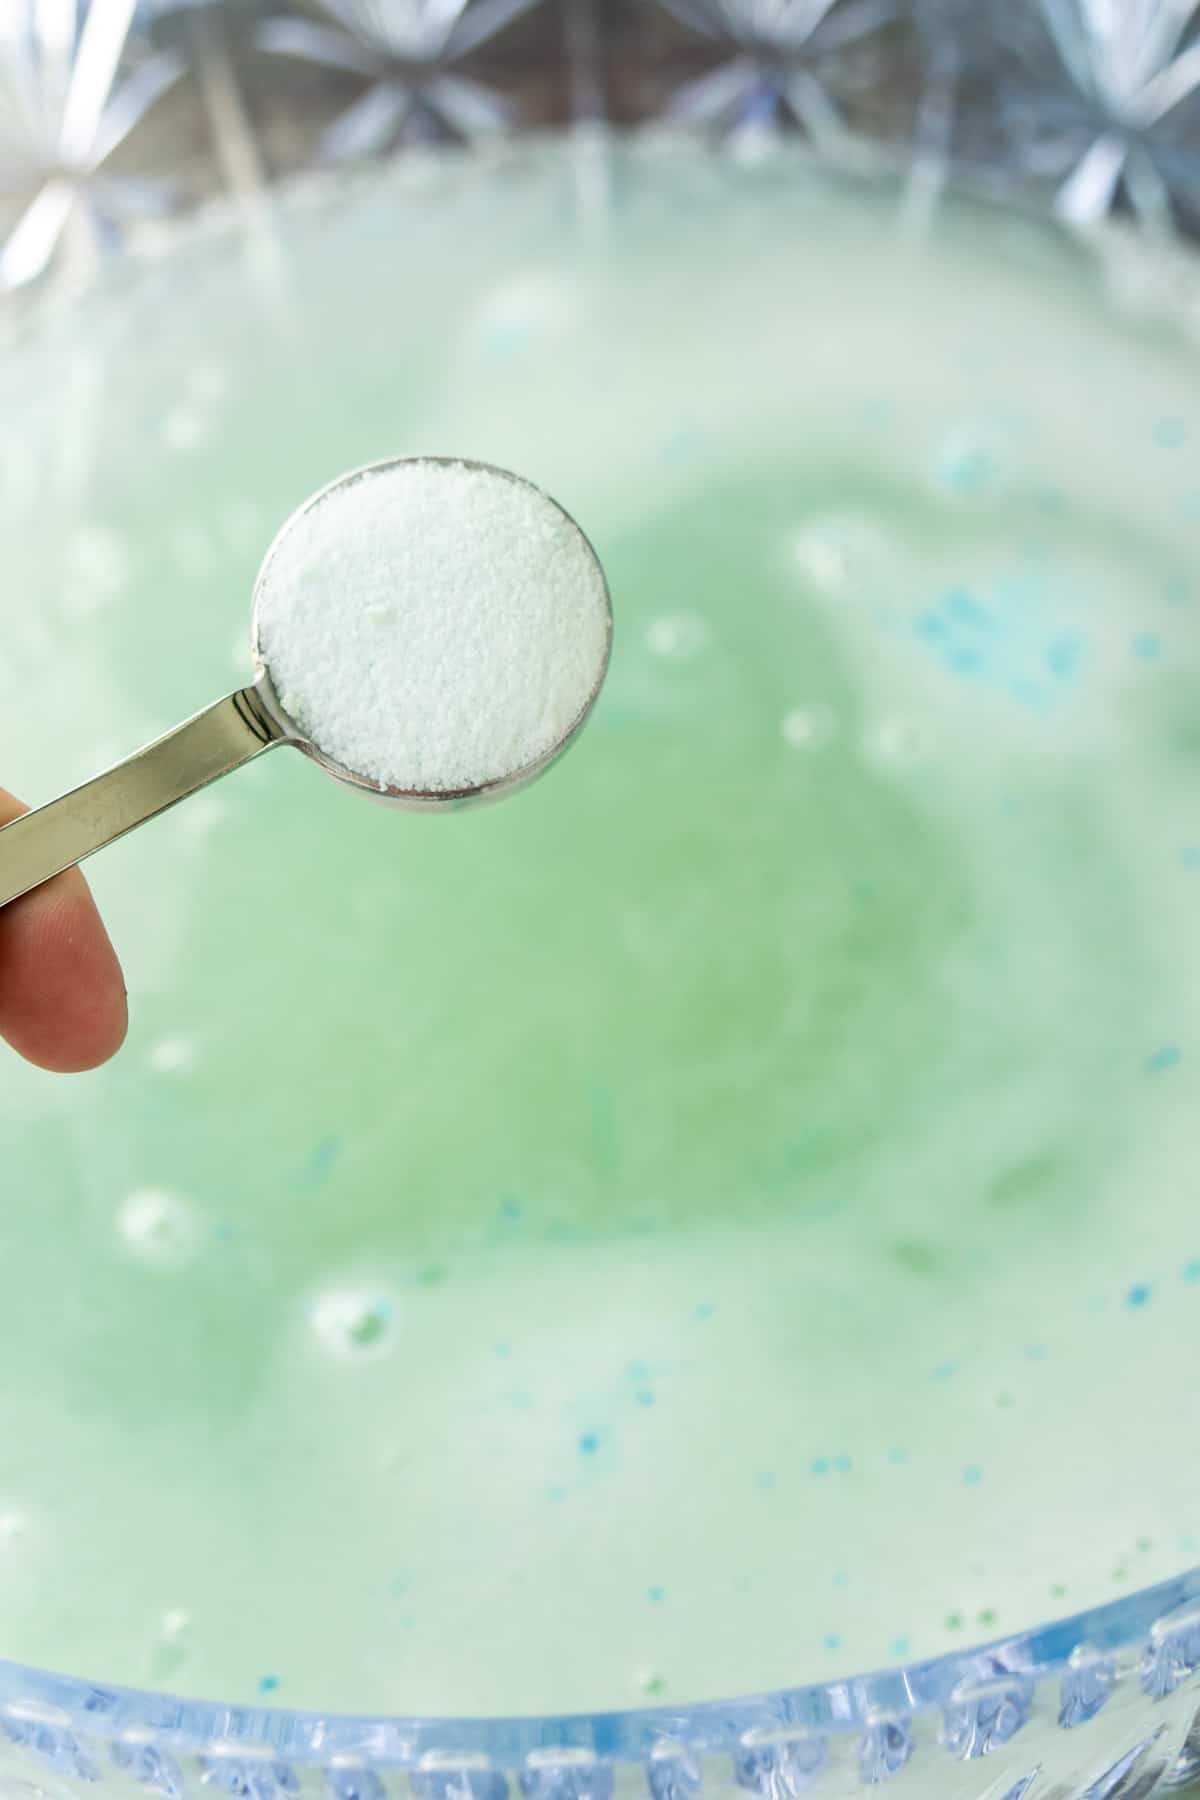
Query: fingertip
[{"x": 62, "y": 995}]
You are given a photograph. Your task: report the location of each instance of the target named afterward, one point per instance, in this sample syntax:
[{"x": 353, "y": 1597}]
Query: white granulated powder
[{"x": 433, "y": 626}]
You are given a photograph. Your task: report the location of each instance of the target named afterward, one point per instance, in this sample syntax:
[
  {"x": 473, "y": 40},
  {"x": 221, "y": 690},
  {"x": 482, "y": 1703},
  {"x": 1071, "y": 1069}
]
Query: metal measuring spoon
[{"x": 238, "y": 728}]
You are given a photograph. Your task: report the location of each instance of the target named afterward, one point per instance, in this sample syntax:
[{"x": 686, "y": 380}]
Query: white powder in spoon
[{"x": 433, "y": 626}]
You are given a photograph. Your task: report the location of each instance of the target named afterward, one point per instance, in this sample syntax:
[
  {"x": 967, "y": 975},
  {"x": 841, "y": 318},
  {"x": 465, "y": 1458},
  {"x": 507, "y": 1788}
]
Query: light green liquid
[{"x": 725, "y": 1216}]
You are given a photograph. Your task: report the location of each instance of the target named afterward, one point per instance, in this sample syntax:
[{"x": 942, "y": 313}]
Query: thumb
[{"x": 62, "y": 996}]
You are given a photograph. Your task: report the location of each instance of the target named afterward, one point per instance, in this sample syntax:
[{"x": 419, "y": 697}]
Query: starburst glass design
[
  {"x": 781, "y": 53},
  {"x": 208, "y": 34},
  {"x": 1110, "y": 110},
  {"x": 956, "y": 46},
  {"x": 67, "y": 101},
  {"x": 404, "y": 49}
]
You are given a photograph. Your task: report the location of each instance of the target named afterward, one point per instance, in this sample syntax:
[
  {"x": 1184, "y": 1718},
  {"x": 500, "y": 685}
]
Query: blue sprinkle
[
  {"x": 1191, "y": 1271},
  {"x": 964, "y": 469},
  {"x": 502, "y": 1350},
  {"x": 321, "y": 1159},
  {"x": 1030, "y": 694},
  {"x": 944, "y": 1371},
  {"x": 1035, "y": 1352},
  {"x": 1062, "y": 658},
  {"x": 931, "y": 626},
  {"x": 1147, "y": 645},
  {"x": 705, "y": 1310},
  {"x": 645, "y": 1396},
  {"x": 832, "y": 1641},
  {"x": 1138, "y": 1295},
  {"x": 1189, "y": 856},
  {"x": 897, "y": 1456},
  {"x": 510, "y": 1209},
  {"x": 589, "y": 1443},
  {"x": 965, "y": 661},
  {"x": 267, "y": 1684},
  {"x": 1169, "y": 434},
  {"x": 967, "y": 611},
  {"x": 819, "y": 1465},
  {"x": 841, "y": 1579},
  {"x": 972, "y": 1475},
  {"x": 1163, "y": 1058},
  {"x": 842, "y": 1464},
  {"x": 656, "y": 1595},
  {"x": 900, "y": 1646}
]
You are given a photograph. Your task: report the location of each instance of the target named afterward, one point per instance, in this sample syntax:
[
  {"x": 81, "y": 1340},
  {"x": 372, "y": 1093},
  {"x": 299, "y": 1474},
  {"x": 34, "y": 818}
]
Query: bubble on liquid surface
[
  {"x": 98, "y": 554},
  {"x": 677, "y": 636},
  {"x": 159, "y": 1227},
  {"x": 355, "y": 1322},
  {"x": 899, "y": 743},
  {"x": 182, "y": 429},
  {"x": 515, "y": 313},
  {"x": 172, "y": 1645},
  {"x": 97, "y": 568},
  {"x": 174, "y": 1055},
  {"x": 809, "y": 727},
  {"x": 200, "y": 817},
  {"x": 842, "y": 553}
]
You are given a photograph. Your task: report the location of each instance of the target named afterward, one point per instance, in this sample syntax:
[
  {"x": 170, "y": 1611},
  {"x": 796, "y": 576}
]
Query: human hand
[{"x": 62, "y": 995}]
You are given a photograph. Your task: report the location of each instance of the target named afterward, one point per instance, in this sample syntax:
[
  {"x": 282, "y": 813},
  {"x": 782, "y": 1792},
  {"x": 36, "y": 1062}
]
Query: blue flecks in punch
[
  {"x": 972, "y": 1475},
  {"x": 268, "y": 1683},
  {"x": 1138, "y": 1295},
  {"x": 1063, "y": 657},
  {"x": 1147, "y": 646},
  {"x": 589, "y": 1443},
  {"x": 656, "y": 1594},
  {"x": 1162, "y": 1059},
  {"x": 1191, "y": 1270},
  {"x": 1189, "y": 856},
  {"x": 322, "y": 1160}
]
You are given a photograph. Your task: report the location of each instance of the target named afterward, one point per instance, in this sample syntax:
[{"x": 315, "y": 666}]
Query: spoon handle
[{"x": 54, "y": 837}]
